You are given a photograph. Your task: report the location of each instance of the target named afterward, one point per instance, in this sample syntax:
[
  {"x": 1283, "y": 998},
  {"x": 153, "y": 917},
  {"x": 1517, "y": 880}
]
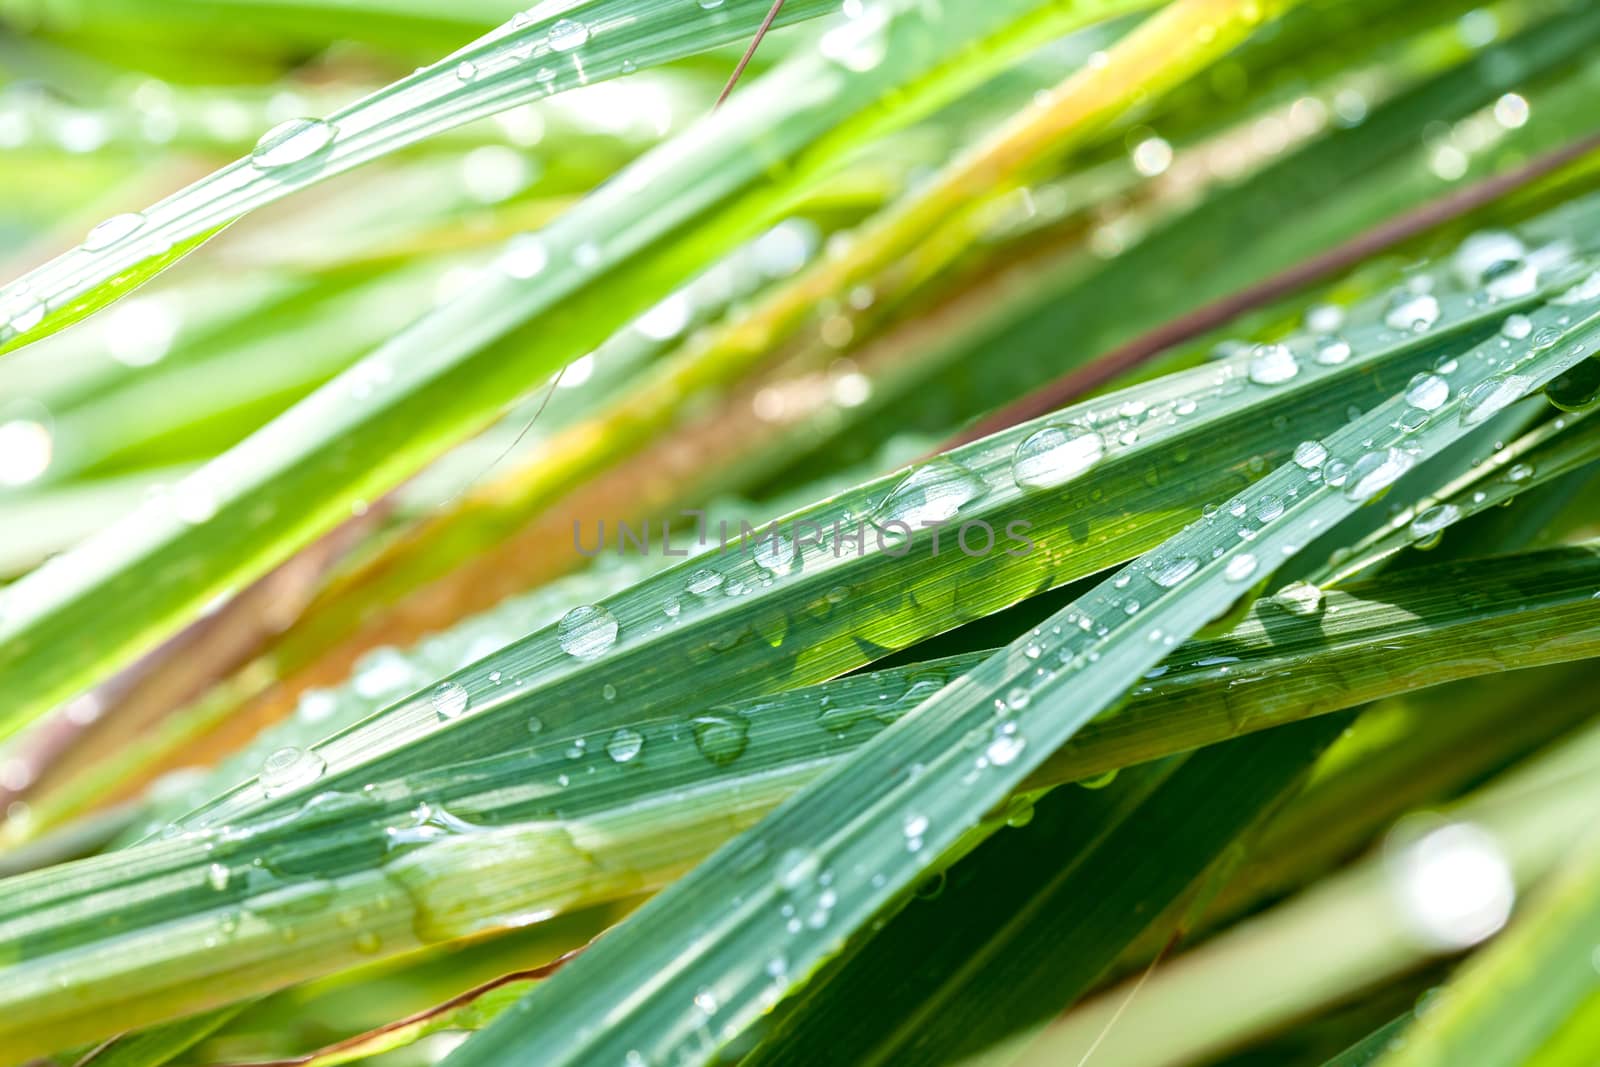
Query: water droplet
[
  {"x": 1272, "y": 364},
  {"x": 775, "y": 554},
  {"x": 1516, "y": 327},
  {"x": 1240, "y": 567},
  {"x": 1411, "y": 311},
  {"x": 449, "y": 700},
  {"x": 1005, "y": 748},
  {"x": 1512, "y": 279},
  {"x": 288, "y": 769},
  {"x": 1331, "y": 350},
  {"x": 1310, "y": 455},
  {"x": 1299, "y": 598},
  {"x": 568, "y": 34},
  {"x": 112, "y": 230},
  {"x": 1099, "y": 781},
  {"x": 933, "y": 492},
  {"x": 915, "y": 825},
  {"x": 1169, "y": 573},
  {"x": 721, "y": 735},
  {"x": 1491, "y": 395},
  {"x": 290, "y": 142},
  {"x": 217, "y": 877},
  {"x": 1375, "y": 472},
  {"x": 1053, "y": 455},
  {"x": 1480, "y": 253},
  {"x": 1324, "y": 318},
  {"x": 625, "y": 744},
  {"x": 23, "y": 312},
  {"x": 1427, "y": 391},
  {"x": 1432, "y": 522},
  {"x": 587, "y": 631},
  {"x": 703, "y": 582}
]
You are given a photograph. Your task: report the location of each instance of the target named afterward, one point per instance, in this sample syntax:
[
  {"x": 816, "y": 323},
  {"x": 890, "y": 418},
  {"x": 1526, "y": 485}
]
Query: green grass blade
[
  {"x": 695, "y": 783},
  {"x": 838, "y": 847},
  {"x": 525, "y": 59},
  {"x": 433, "y": 384},
  {"x": 1031, "y": 919}
]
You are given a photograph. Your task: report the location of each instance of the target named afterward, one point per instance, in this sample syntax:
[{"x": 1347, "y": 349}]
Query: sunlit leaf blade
[
  {"x": 461, "y": 834},
  {"x": 1030, "y": 919},
  {"x": 972, "y": 743},
  {"x": 525, "y": 59},
  {"x": 550, "y": 299},
  {"x": 1378, "y": 919}
]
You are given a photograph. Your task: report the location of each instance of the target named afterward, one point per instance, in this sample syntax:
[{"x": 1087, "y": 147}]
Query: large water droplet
[
  {"x": 1375, "y": 472},
  {"x": 703, "y": 582},
  {"x": 721, "y": 735},
  {"x": 1310, "y": 455},
  {"x": 1428, "y": 392},
  {"x": 1411, "y": 311},
  {"x": 933, "y": 492},
  {"x": 1169, "y": 573},
  {"x": 568, "y": 34},
  {"x": 625, "y": 744},
  {"x": 449, "y": 700},
  {"x": 1491, "y": 395},
  {"x": 1272, "y": 364},
  {"x": 1053, "y": 455},
  {"x": 291, "y": 141},
  {"x": 289, "y": 769},
  {"x": 1516, "y": 327},
  {"x": 1240, "y": 567},
  {"x": 1331, "y": 350},
  {"x": 112, "y": 230},
  {"x": 1480, "y": 253},
  {"x": 1299, "y": 598},
  {"x": 1432, "y": 522},
  {"x": 587, "y": 631},
  {"x": 1511, "y": 280}
]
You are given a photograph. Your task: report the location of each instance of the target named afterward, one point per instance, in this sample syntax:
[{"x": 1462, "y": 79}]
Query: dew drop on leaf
[
  {"x": 1272, "y": 364},
  {"x": 1240, "y": 567},
  {"x": 1491, "y": 395},
  {"x": 1310, "y": 455},
  {"x": 290, "y": 142},
  {"x": 112, "y": 230},
  {"x": 624, "y": 745},
  {"x": 1415, "y": 312},
  {"x": 568, "y": 34},
  {"x": 1053, "y": 455},
  {"x": 1516, "y": 327},
  {"x": 1376, "y": 471},
  {"x": 587, "y": 631},
  {"x": 703, "y": 582},
  {"x": 287, "y": 769},
  {"x": 1299, "y": 598},
  {"x": 933, "y": 492},
  {"x": 1431, "y": 523},
  {"x": 1331, "y": 350},
  {"x": 721, "y": 736},
  {"x": 1427, "y": 392},
  {"x": 1482, "y": 252},
  {"x": 449, "y": 699},
  {"x": 1169, "y": 573}
]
